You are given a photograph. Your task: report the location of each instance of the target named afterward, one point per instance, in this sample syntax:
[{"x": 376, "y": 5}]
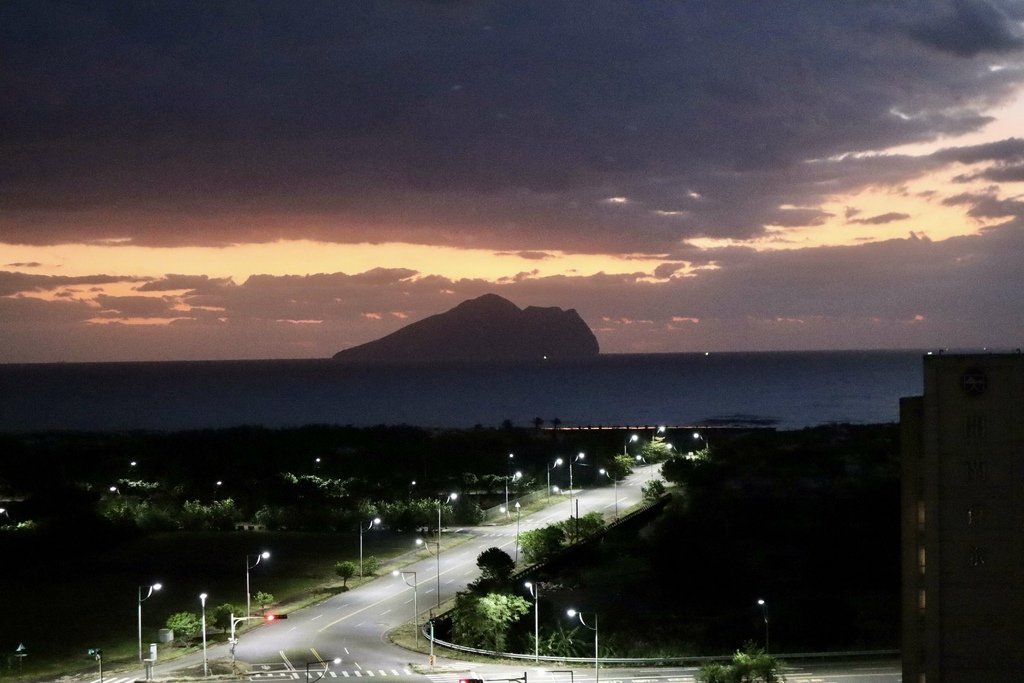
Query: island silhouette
[{"x": 487, "y": 328}]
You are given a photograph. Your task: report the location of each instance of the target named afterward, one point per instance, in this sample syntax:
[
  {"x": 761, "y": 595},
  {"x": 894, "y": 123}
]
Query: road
[{"x": 345, "y": 636}]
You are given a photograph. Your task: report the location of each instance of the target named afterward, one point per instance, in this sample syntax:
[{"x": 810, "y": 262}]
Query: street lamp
[
  {"x": 764, "y": 613},
  {"x": 415, "y": 606},
  {"x": 615, "y": 487},
  {"x": 437, "y": 544},
  {"x": 150, "y": 589},
  {"x": 579, "y": 456},
  {"x": 574, "y": 613},
  {"x": 450, "y": 498},
  {"x": 327, "y": 665},
  {"x": 625, "y": 447},
  {"x": 373, "y": 522},
  {"x": 515, "y": 477},
  {"x": 697, "y": 436},
  {"x": 206, "y": 666},
  {"x": 558, "y": 461},
  {"x": 260, "y": 557},
  {"x": 535, "y": 592},
  {"x": 518, "y": 506}
]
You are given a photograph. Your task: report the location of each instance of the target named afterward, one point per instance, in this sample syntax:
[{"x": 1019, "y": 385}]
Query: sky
[{"x": 257, "y": 179}]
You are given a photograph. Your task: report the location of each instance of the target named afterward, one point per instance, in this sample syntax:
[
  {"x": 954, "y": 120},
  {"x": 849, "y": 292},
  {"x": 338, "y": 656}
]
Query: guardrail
[{"x": 658, "y": 661}]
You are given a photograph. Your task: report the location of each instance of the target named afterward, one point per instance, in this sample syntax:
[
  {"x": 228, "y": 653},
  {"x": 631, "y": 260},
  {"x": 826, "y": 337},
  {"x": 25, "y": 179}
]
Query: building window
[
  {"x": 976, "y": 471},
  {"x": 922, "y": 601},
  {"x": 921, "y": 560},
  {"x": 920, "y": 515},
  {"x": 921, "y": 678},
  {"x": 975, "y": 515},
  {"x": 974, "y": 428},
  {"x": 977, "y": 556}
]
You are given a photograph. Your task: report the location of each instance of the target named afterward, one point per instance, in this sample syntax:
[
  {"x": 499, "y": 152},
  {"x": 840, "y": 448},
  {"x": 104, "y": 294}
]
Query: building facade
[{"x": 962, "y": 454}]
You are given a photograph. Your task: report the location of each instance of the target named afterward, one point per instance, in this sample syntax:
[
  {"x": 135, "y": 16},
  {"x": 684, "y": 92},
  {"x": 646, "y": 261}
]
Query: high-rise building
[{"x": 962, "y": 450}]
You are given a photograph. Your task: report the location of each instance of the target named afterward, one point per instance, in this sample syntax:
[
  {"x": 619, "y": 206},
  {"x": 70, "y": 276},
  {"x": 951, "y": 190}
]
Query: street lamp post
[
  {"x": 373, "y": 522},
  {"x": 574, "y": 613},
  {"x": 535, "y": 592},
  {"x": 615, "y": 487},
  {"x": 513, "y": 477},
  {"x": 150, "y": 589},
  {"x": 697, "y": 436},
  {"x": 415, "y": 605},
  {"x": 327, "y": 665},
  {"x": 518, "y": 506},
  {"x": 764, "y": 613},
  {"x": 248, "y": 596},
  {"x": 451, "y": 496},
  {"x": 437, "y": 546},
  {"x": 206, "y": 665},
  {"x": 625, "y": 447},
  {"x": 558, "y": 461},
  {"x": 579, "y": 456}
]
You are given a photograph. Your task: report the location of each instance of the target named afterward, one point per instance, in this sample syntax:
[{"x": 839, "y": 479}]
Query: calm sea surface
[{"x": 786, "y": 390}]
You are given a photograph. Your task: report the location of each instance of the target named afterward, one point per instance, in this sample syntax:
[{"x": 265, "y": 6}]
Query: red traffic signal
[{"x": 274, "y": 617}]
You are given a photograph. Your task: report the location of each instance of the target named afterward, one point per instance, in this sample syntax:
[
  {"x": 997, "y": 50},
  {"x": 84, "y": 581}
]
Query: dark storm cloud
[
  {"x": 504, "y": 125},
  {"x": 968, "y": 28}
]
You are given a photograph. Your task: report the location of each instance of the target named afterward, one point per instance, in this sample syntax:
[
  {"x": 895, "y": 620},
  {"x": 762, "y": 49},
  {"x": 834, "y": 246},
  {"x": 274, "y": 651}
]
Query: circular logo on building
[{"x": 973, "y": 382}]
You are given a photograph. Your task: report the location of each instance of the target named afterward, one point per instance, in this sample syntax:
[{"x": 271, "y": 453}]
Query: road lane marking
[
  {"x": 317, "y": 617},
  {"x": 286, "y": 661}
]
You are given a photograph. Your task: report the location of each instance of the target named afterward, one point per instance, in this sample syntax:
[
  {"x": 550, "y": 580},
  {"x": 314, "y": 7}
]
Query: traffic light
[{"x": 274, "y": 617}]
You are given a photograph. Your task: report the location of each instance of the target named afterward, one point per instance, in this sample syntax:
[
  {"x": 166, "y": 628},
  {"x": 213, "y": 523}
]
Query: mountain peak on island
[{"x": 489, "y": 327}]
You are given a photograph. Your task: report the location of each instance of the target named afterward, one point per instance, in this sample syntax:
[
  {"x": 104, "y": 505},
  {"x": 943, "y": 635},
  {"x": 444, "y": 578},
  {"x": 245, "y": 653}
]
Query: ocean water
[{"x": 782, "y": 389}]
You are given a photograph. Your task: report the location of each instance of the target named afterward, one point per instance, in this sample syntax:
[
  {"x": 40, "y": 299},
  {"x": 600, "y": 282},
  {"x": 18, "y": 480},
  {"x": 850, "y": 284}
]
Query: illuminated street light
[
  {"x": 373, "y": 522},
  {"x": 206, "y": 665},
  {"x": 574, "y": 613},
  {"x": 415, "y": 604},
  {"x": 615, "y": 487},
  {"x": 326, "y": 665},
  {"x": 437, "y": 545},
  {"x": 632, "y": 439},
  {"x": 579, "y": 456},
  {"x": 535, "y": 593},
  {"x": 764, "y": 613},
  {"x": 265, "y": 555},
  {"x": 558, "y": 461},
  {"x": 515, "y": 477},
  {"x": 150, "y": 589},
  {"x": 517, "y": 531}
]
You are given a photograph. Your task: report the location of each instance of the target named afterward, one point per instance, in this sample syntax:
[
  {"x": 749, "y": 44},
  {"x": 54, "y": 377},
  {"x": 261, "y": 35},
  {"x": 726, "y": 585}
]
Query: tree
[
  {"x": 263, "y": 599},
  {"x": 653, "y": 490},
  {"x": 539, "y": 544},
  {"x": 345, "y": 570},
  {"x": 495, "y": 564},
  {"x": 221, "y": 616},
  {"x": 371, "y": 565},
  {"x": 485, "y": 621},
  {"x": 185, "y": 625},
  {"x": 656, "y": 450}
]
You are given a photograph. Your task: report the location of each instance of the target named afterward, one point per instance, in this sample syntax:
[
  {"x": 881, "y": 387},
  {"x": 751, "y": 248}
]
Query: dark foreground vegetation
[{"x": 806, "y": 520}]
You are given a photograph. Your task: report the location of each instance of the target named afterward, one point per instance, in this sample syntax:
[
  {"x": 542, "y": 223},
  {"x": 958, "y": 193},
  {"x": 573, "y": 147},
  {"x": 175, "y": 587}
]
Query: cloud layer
[
  {"x": 695, "y": 134},
  {"x": 496, "y": 124}
]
